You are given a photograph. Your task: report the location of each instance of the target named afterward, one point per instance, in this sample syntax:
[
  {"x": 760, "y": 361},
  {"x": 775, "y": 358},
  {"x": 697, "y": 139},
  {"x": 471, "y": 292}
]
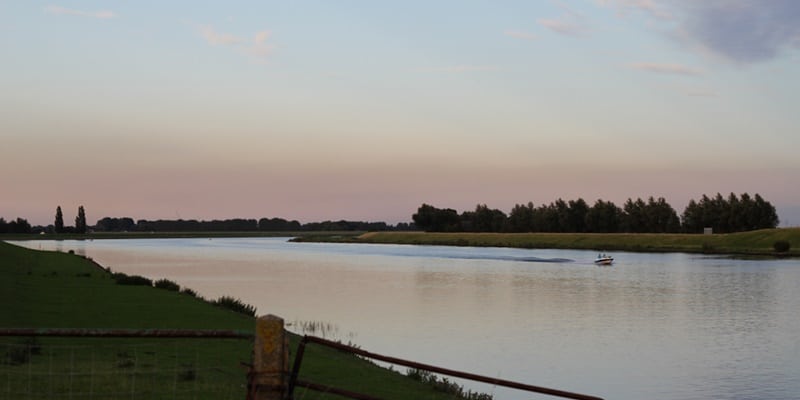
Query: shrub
[
  {"x": 133, "y": 280},
  {"x": 189, "y": 291},
  {"x": 18, "y": 355},
  {"x": 235, "y": 305},
  {"x": 781, "y": 246},
  {"x": 188, "y": 374},
  {"x": 21, "y": 354},
  {"x": 167, "y": 284},
  {"x": 445, "y": 385}
]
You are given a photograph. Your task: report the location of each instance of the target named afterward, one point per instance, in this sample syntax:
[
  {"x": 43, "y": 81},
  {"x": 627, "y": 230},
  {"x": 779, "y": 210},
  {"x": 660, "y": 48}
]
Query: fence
[
  {"x": 123, "y": 364},
  {"x": 273, "y": 383},
  {"x": 210, "y": 368}
]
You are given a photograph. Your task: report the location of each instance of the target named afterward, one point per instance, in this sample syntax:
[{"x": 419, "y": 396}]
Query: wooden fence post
[{"x": 271, "y": 359}]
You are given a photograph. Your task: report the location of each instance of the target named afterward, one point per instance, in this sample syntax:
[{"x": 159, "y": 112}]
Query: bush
[
  {"x": 235, "y": 305},
  {"x": 167, "y": 284},
  {"x": 21, "y": 354},
  {"x": 781, "y": 246},
  {"x": 189, "y": 291},
  {"x": 445, "y": 385},
  {"x": 133, "y": 280}
]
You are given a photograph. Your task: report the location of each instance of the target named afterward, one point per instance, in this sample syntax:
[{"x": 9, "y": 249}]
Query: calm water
[{"x": 653, "y": 326}]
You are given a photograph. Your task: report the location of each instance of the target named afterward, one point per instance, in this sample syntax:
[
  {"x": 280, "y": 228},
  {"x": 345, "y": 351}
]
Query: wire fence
[{"x": 105, "y": 368}]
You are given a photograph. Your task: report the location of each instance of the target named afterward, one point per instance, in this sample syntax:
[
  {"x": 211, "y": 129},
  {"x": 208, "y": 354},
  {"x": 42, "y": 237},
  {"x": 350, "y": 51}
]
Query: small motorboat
[{"x": 603, "y": 259}]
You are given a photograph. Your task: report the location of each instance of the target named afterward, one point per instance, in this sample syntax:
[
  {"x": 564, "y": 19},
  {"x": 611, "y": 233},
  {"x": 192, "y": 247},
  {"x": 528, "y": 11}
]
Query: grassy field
[
  {"x": 745, "y": 243},
  {"x": 56, "y": 290}
]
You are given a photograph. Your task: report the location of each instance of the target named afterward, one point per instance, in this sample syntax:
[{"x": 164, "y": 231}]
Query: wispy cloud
[
  {"x": 666, "y": 68},
  {"x": 570, "y": 23},
  {"x": 67, "y": 11},
  {"x": 258, "y": 47},
  {"x": 215, "y": 38},
  {"x": 625, "y": 7},
  {"x": 701, "y": 93},
  {"x": 563, "y": 25},
  {"x": 519, "y": 34},
  {"x": 456, "y": 69}
]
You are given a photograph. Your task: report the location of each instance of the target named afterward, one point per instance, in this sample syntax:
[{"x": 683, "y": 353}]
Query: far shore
[{"x": 753, "y": 243}]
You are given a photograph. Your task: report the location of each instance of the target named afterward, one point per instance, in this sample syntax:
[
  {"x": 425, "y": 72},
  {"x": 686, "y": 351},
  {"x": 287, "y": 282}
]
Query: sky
[{"x": 364, "y": 110}]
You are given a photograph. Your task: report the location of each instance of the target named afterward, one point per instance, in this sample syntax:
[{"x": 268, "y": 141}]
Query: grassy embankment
[
  {"x": 745, "y": 243},
  {"x": 56, "y": 290}
]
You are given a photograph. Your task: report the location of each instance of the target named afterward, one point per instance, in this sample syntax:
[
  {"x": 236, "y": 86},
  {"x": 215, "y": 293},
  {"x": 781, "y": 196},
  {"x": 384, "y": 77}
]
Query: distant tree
[
  {"x": 660, "y": 217},
  {"x": 576, "y": 215},
  {"x": 692, "y": 218},
  {"x": 433, "y": 219},
  {"x": 546, "y": 218},
  {"x": 80, "y": 221},
  {"x": 734, "y": 214},
  {"x": 766, "y": 216},
  {"x": 405, "y": 226},
  {"x": 484, "y": 219},
  {"x": 108, "y": 224},
  {"x": 278, "y": 224},
  {"x": 19, "y": 226},
  {"x": 633, "y": 219},
  {"x": 521, "y": 218},
  {"x": 603, "y": 216},
  {"x": 58, "y": 225}
]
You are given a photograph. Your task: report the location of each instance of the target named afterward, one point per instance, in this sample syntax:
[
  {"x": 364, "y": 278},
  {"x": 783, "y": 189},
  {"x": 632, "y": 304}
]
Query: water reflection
[{"x": 666, "y": 326}]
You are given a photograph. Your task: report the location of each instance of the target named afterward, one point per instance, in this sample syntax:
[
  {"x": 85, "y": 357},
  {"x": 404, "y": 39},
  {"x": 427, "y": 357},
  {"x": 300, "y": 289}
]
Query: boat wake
[{"x": 512, "y": 258}]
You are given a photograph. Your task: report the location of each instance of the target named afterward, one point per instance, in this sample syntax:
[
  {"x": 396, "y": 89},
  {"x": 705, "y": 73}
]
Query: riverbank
[
  {"x": 754, "y": 243},
  {"x": 40, "y": 289}
]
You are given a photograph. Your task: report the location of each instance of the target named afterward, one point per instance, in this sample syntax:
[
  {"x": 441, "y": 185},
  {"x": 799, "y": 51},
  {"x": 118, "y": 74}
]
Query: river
[{"x": 653, "y": 326}]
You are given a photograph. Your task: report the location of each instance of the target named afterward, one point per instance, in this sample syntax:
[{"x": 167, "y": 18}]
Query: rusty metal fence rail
[{"x": 294, "y": 381}]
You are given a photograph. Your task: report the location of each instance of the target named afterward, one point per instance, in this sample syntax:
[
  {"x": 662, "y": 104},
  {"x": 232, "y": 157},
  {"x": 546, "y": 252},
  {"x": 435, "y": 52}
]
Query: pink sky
[{"x": 271, "y": 110}]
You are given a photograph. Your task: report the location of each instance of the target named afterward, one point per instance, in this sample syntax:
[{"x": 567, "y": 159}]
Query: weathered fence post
[{"x": 270, "y": 359}]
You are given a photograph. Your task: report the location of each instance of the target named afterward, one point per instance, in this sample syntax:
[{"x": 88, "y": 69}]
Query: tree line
[
  {"x": 21, "y": 225},
  {"x": 723, "y": 215},
  {"x": 127, "y": 224},
  {"x": 18, "y": 225}
]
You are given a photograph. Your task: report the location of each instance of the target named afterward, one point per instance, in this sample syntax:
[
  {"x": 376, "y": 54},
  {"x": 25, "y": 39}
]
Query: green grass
[
  {"x": 745, "y": 243},
  {"x": 56, "y": 290}
]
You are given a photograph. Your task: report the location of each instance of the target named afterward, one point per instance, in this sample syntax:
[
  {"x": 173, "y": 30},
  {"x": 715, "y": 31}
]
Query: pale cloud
[
  {"x": 215, "y": 38},
  {"x": 261, "y": 37},
  {"x": 624, "y": 7},
  {"x": 258, "y": 47},
  {"x": 52, "y": 9},
  {"x": 701, "y": 93},
  {"x": 570, "y": 23},
  {"x": 666, "y": 68},
  {"x": 564, "y": 26},
  {"x": 462, "y": 69},
  {"x": 519, "y": 34}
]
